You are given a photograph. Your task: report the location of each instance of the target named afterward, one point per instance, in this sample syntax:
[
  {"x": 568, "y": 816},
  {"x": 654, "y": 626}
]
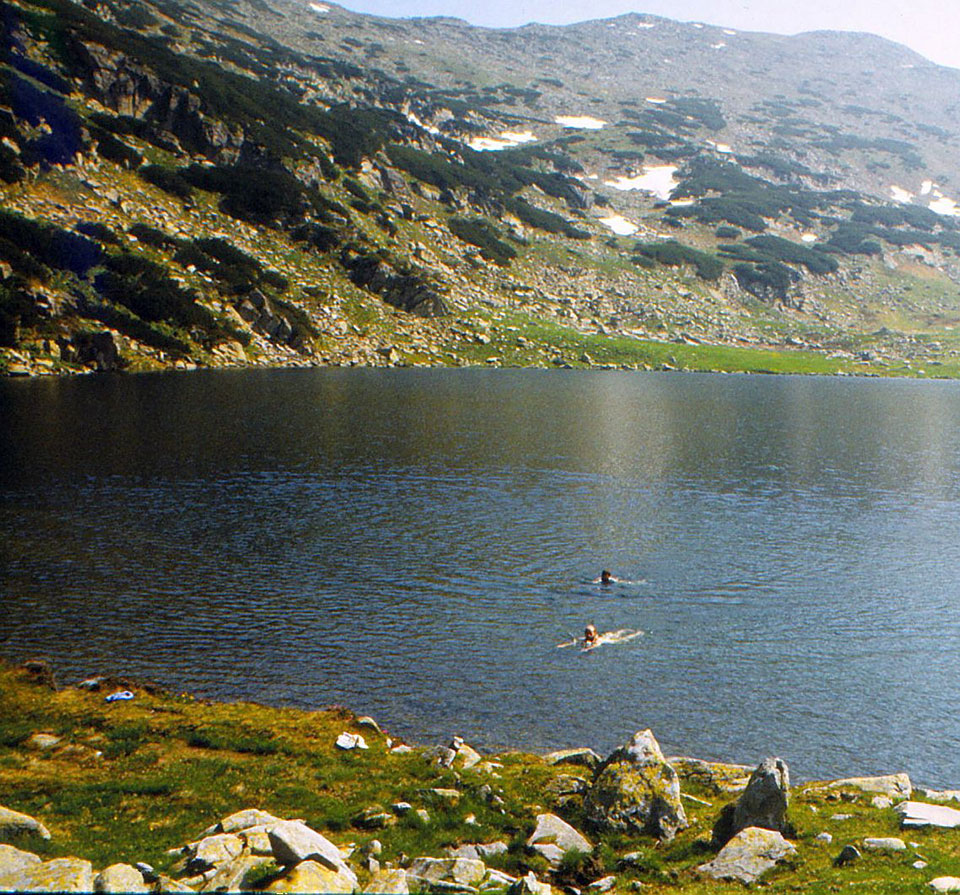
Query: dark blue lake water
[{"x": 414, "y": 543}]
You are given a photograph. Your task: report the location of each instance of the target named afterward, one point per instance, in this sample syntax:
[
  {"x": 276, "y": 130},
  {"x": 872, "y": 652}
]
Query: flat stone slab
[
  {"x": 945, "y": 884},
  {"x": 388, "y": 882},
  {"x": 896, "y": 786},
  {"x": 748, "y": 855},
  {"x": 885, "y": 844},
  {"x": 920, "y": 814}
]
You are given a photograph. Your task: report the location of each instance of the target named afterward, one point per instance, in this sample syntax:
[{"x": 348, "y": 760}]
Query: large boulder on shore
[
  {"x": 636, "y": 791},
  {"x": 748, "y": 855},
  {"x": 13, "y": 859},
  {"x": 120, "y": 878},
  {"x": 461, "y": 871},
  {"x": 310, "y": 876},
  {"x": 293, "y": 842},
  {"x": 762, "y": 804}
]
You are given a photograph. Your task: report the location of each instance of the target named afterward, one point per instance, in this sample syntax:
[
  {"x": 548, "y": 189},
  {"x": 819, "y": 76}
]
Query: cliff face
[{"x": 286, "y": 183}]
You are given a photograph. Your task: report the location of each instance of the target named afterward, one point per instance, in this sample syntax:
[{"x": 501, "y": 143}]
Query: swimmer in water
[
  {"x": 590, "y": 639},
  {"x": 606, "y": 577}
]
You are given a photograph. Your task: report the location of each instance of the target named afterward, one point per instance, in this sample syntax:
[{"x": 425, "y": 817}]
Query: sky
[{"x": 931, "y": 27}]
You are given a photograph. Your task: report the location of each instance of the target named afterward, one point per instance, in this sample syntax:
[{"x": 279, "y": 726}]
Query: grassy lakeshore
[{"x": 131, "y": 780}]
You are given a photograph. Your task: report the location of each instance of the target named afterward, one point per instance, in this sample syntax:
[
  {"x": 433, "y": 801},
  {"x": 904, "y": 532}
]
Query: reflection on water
[{"x": 414, "y": 544}]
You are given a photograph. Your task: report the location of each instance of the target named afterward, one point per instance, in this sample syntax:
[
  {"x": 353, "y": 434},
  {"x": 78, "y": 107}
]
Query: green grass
[{"x": 172, "y": 766}]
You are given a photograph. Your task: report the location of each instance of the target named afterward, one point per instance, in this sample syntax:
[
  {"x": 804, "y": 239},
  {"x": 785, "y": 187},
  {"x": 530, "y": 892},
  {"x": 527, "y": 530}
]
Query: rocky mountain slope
[{"x": 282, "y": 182}]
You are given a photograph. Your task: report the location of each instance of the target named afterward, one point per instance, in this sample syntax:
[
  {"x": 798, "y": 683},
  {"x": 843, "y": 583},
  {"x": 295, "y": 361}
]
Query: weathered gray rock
[
  {"x": 479, "y": 851},
  {"x": 884, "y": 844},
  {"x": 388, "y": 882},
  {"x": 14, "y": 859},
  {"x": 310, "y": 876},
  {"x": 120, "y": 878},
  {"x": 440, "y": 797},
  {"x": 920, "y": 814},
  {"x": 220, "y": 848},
  {"x": 604, "y": 884},
  {"x": 463, "y": 871},
  {"x": 293, "y": 841},
  {"x": 554, "y": 837},
  {"x": 762, "y": 804},
  {"x": 58, "y": 875},
  {"x": 373, "y": 817},
  {"x": 825, "y": 838},
  {"x": 256, "y": 840},
  {"x": 940, "y": 795},
  {"x": 530, "y": 885},
  {"x": 583, "y": 757},
  {"x": 14, "y": 825},
  {"x": 748, "y": 855},
  {"x": 881, "y": 802},
  {"x": 636, "y": 791},
  {"x": 896, "y": 786},
  {"x": 497, "y": 879},
  {"x": 945, "y": 884}
]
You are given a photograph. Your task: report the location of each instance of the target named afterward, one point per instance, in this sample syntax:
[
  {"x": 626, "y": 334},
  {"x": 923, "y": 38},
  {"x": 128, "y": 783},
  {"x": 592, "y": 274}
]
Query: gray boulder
[
  {"x": 748, "y": 855},
  {"x": 313, "y": 877},
  {"x": 242, "y": 820},
  {"x": 554, "y": 837},
  {"x": 230, "y": 876},
  {"x": 849, "y": 854},
  {"x": 762, "y": 804},
  {"x": 120, "y": 878},
  {"x": 14, "y": 825},
  {"x": 887, "y": 843},
  {"x": 293, "y": 841},
  {"x": 58, "y": 875},
  {"x": 636, "y": 791}
]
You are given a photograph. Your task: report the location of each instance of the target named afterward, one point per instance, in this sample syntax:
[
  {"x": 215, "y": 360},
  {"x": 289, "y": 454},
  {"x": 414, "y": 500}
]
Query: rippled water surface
[{"x": 414, "y": 543}]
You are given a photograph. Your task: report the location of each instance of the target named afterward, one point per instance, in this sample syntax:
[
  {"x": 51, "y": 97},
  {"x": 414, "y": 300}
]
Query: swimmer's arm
[{"x": 573, "y": 642}]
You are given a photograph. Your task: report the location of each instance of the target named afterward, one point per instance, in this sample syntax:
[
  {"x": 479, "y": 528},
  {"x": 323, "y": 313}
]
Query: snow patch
[
  {"x": 728, "y": 32},
  {"x": 319, "y": 7},
  {"x": 899, "y": 194},
  {"x": 697, "y": 25},
  {"x": 809, "y": 237},
  {"x": 584, "y": 122},
  {"x": 619, "y": 225},
  {"x": 946, "y": 206},
  {"x": 506, "y": 140},
  {"x": 718, "y": 46},
  {"x": 429, "y": 128},
  {"x": 683, "y": 203},
  {"x": 658, "y": 180},
  {"x": 927, "y": 187},
  {"x": 656, "y": 100},
  {"x": 646, "y": 25}
]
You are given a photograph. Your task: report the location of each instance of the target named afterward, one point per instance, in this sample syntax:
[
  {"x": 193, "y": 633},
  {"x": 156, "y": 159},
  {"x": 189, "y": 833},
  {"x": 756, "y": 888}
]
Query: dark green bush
[
  {"x": 675, "y": 254},
  {"x": 486, "y": 237},
  {"x": 46, "y": 245},
  {"x": 170, "y": 180}
]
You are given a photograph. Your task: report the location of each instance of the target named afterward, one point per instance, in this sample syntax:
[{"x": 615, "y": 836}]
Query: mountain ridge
[{"x": 685, "y": 185}]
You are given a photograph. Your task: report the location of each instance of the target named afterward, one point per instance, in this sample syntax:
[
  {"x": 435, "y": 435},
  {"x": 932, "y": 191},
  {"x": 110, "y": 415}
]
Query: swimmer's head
[
  {"x": 590, "y": 633},
  {"x": 605, "y": 576}
]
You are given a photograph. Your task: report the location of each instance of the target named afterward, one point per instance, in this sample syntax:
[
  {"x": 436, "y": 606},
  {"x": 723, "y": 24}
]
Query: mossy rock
[{"x": 636, "y": 791}]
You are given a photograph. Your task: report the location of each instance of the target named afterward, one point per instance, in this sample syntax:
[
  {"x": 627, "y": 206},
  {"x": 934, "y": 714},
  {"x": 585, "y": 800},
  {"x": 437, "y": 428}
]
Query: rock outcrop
[
  {"x": 636, "y": 791},
  {"x": 58, "y": 875},
  {"x": 762, "y": 804},
  {"x": 920, "y": 814}
]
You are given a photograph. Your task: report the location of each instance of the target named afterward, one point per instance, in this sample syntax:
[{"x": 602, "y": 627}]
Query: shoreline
[{"x": 140, "y": 777}]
